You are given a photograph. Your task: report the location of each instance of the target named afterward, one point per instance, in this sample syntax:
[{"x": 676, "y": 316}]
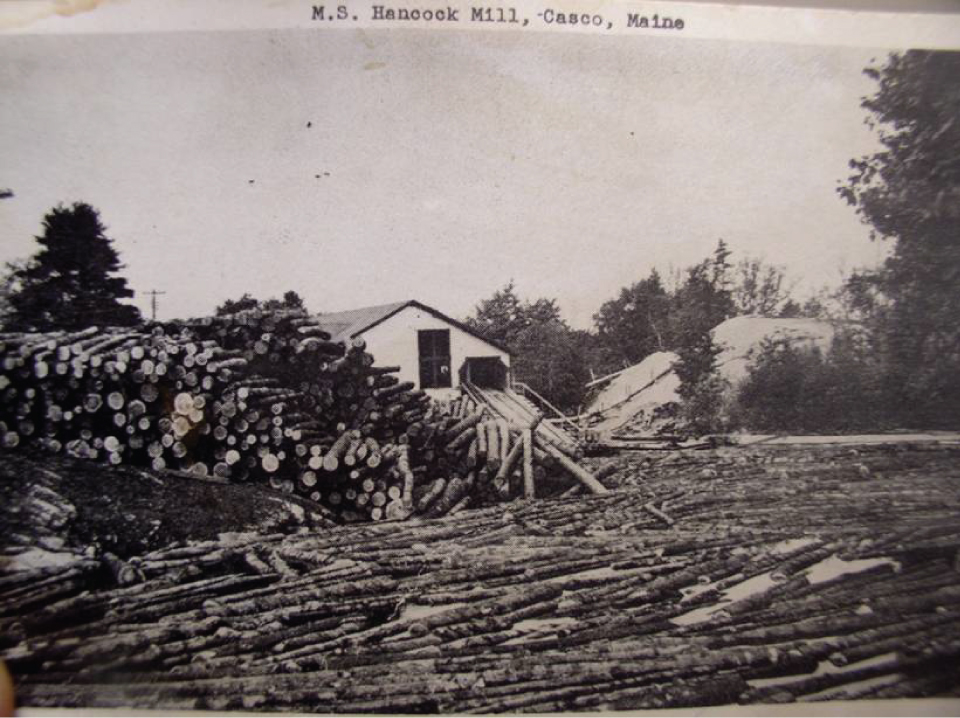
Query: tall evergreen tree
[
  {"x": 704, "y": 301},
  {"x": 71, "y": 282}
]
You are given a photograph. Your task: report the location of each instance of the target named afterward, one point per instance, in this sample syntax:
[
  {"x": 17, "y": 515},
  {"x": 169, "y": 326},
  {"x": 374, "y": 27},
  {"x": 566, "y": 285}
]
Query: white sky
[{"x": 456, "y": 160}]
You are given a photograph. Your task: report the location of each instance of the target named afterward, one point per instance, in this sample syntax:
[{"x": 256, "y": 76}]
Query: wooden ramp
[{"x": 519, "y": 410}]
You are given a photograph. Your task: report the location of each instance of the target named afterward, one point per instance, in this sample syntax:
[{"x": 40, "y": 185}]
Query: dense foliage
[
  {"x": 71, "y": 282},
  {"x": 548, "y": 355},
  {"x": 909, "y": 193},
  {"x": 636, "y": 323},
  {"x": 797, "y": 388},
  {"x": 646, "y": 317}
]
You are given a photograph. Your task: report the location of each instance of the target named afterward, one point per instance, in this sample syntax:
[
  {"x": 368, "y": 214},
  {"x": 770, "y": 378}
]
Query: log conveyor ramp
[{"x": 519, "y": 410}]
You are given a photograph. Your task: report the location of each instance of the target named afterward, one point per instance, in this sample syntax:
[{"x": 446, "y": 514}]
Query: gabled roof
[{"x": 344, "y": 326}]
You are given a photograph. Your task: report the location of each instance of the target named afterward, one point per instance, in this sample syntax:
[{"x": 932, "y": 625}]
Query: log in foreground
[{"x": 555, "y": 605}]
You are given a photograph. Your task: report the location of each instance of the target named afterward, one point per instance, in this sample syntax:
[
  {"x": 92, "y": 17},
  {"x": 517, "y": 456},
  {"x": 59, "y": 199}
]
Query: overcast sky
[{"x": 438, "y": 166}]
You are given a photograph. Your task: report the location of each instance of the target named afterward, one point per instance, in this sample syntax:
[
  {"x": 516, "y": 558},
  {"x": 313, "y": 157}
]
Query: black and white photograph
[{"x": 424, "y": 358}]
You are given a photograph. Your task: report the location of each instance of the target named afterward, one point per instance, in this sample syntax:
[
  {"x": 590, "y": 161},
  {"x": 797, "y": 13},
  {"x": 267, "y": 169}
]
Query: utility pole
[{"x": 153, "y": 303}]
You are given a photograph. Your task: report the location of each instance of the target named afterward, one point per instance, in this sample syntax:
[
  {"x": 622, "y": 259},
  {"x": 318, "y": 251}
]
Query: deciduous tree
[
  {"x": 501, "y": 317},
  {"x": 546, "y": 353},
  {"x": 761, "y": 289},
  {"x": 909, "y": 193},
  {"x": 637, "y": 322},
  {"x": 291, "y": 300}
]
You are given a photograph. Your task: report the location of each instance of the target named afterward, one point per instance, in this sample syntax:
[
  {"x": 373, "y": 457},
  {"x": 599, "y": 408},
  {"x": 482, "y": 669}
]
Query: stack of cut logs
[{"x": 264, "y": 396}]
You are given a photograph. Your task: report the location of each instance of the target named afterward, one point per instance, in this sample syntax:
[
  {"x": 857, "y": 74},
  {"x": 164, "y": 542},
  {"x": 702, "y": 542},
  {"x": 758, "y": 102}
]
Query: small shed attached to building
[{"x": 435, "y": 352}]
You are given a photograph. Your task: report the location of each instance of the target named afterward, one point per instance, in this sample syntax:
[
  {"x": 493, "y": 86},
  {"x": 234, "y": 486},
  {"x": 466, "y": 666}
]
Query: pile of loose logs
[
  {"x": 505, "y": 458},
  {"x": 262, "y": 396}
]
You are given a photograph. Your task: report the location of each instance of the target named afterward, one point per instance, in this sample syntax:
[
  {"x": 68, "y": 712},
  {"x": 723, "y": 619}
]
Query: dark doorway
[
  {"x": 485, "y": 372},
  {"x": 434, "y": 348}
]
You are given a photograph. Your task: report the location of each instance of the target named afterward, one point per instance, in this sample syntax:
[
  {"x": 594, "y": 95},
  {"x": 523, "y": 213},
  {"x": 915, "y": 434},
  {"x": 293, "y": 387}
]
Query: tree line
[
  {"x": 648, "y": 316},
  {"x": 894, "y": 361}
]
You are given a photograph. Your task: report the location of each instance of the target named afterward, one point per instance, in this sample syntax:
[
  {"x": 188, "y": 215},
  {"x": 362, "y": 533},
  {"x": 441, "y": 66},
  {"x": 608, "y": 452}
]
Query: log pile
[
  {"x": 266, "y": 397},
  {"x": 508, "y": 454},
  {"x": 586, "y": 603}
]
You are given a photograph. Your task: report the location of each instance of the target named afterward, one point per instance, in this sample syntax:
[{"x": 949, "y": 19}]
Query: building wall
[{"x": 394, "y": 342}]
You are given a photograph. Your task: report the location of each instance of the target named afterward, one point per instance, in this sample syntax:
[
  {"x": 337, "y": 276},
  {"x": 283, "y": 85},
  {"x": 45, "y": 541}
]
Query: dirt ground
[
  {"x": 70, "y": 505},
  {"x": 738, "y": 575}
]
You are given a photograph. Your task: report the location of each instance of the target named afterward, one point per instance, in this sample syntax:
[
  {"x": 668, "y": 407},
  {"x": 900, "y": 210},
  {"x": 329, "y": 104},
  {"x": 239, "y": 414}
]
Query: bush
[{"x": 791, "y": 388}]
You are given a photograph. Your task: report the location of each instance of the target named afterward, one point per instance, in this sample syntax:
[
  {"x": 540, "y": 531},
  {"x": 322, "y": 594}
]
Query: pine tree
[
  {"x": 704, "y": 301},
  {"x": 70, "y": 283}
]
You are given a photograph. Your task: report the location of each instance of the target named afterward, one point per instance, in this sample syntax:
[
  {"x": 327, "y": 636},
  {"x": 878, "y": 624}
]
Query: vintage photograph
[{"x": 534, "y": 368}]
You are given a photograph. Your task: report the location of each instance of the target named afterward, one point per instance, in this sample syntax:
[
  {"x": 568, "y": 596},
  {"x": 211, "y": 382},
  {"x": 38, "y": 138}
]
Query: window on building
[{"x": 434, "y": 348}]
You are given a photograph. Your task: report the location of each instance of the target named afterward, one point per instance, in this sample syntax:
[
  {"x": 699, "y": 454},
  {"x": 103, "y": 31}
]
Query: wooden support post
[
  {"x": 493, "y": 446},
  {"x": 504, "y": 428},
  {"x": 501, "y": 480},
  {"x": 529, "y": 488}
]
